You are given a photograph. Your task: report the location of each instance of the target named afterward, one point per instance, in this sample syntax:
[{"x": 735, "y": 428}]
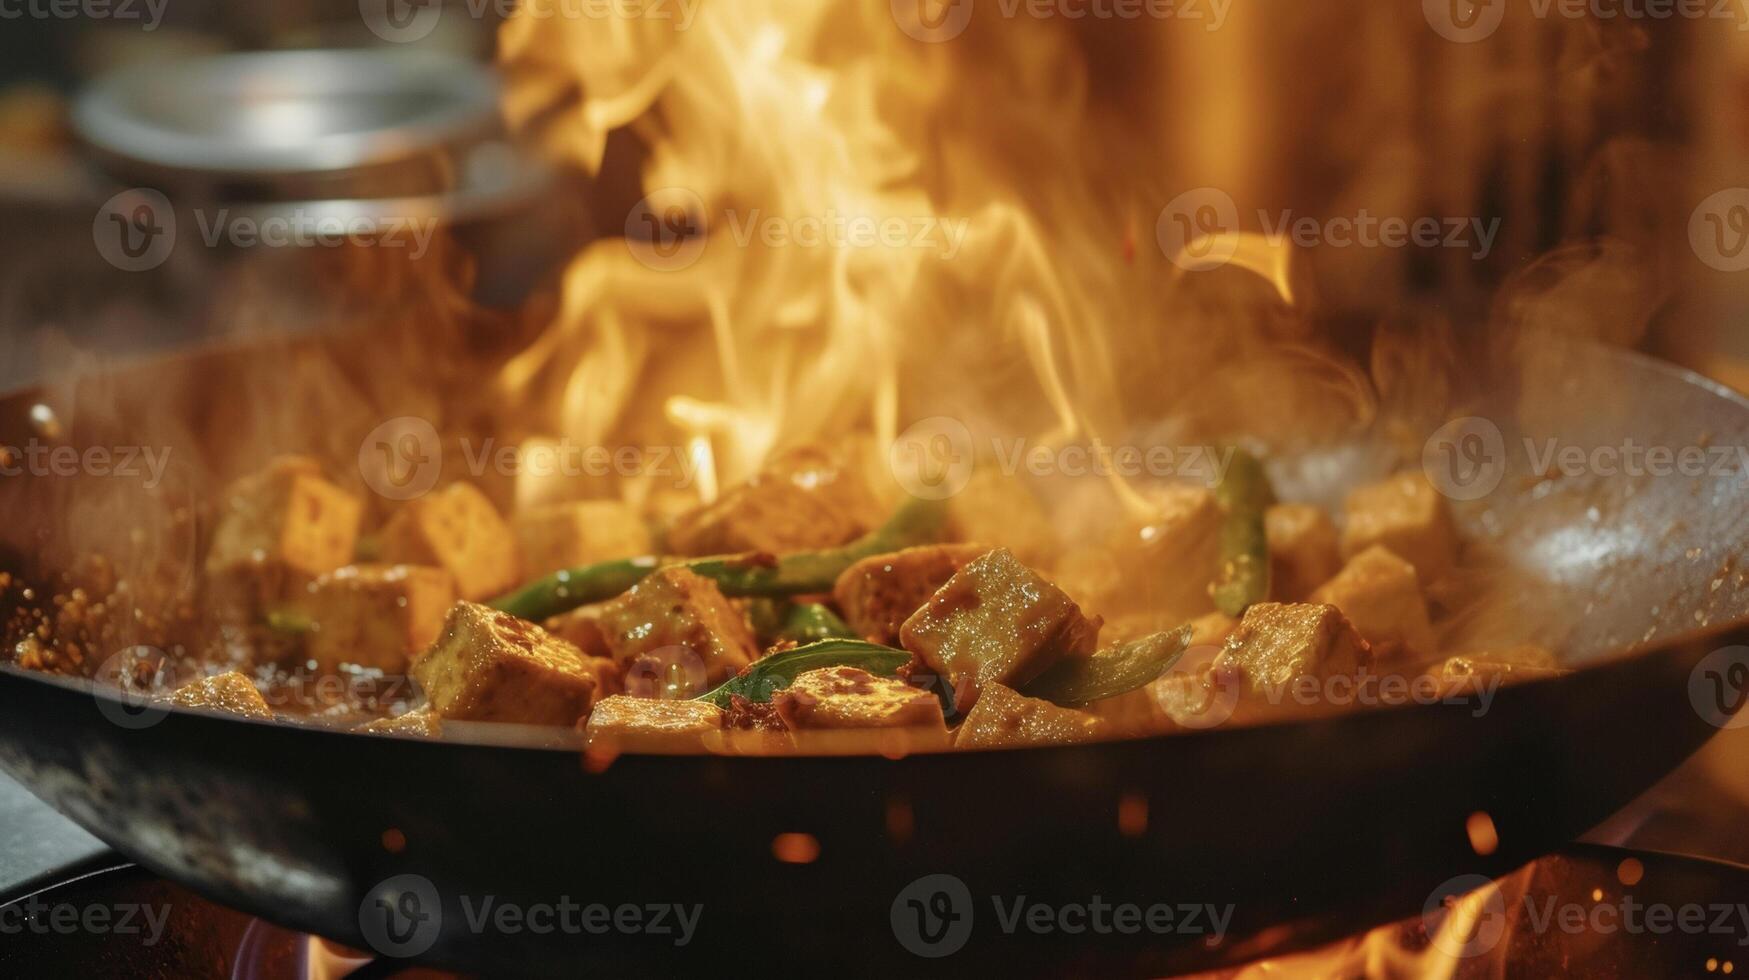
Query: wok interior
[{"x": 1585, "y": 565}]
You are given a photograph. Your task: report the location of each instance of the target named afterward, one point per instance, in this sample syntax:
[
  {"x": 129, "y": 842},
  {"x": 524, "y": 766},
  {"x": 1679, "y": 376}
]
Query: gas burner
[{"x": 124, "y": 920}]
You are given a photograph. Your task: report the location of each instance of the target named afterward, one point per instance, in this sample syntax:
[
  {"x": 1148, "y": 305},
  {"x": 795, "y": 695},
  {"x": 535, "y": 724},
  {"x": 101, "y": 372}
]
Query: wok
[{"x": 1304, "y": 828}]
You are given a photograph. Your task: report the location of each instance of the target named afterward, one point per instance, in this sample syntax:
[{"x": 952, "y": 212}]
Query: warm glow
[{"x": 795, "y": 848}]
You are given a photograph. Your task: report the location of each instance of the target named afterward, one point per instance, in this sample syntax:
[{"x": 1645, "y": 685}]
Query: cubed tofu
[
  {"x": 1302, "y": 550},
  {"x": 1381, "y": 595},
  {"x": 999, "y": 510},
  {"x": 1160, "y": 566},
  {"x": 623, "y": 723},
  {"x": 996, "y": 622},
  {"x": 1407, "y": 515},
  {"x": 1468, "y": 675},
  {"x": 491, "y": 666},
  {"x": 1003, "y": 717},
  {"x": 278, "y": 530},
  {"x": 822, "y": 706},
  {"x": 802, "y": 500},
  {"x": 878, "y": 594},
  {"x": 422, "y": 722},
  {"x": 581, "y": 627},
  {"x": 378, "y": 616},
  {"x": 1277, "y": 643},
  {"x": 583, "y": 532},
  {"x": 679, "y": 618},
  {"x": 231, "y": 692},
  {"x": 456, "y": 529}
]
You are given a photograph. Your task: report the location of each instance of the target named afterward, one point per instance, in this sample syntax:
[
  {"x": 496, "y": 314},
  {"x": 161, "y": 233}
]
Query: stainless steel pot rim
[{"x": 287, "y": 112}]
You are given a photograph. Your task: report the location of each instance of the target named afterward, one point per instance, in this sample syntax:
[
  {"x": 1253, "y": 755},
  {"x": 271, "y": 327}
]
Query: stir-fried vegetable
[
  {"x": 774, "y": 673},
  {"x": 288, "y": 622},
  {"x": 806, "y": 622},
  {"x": 1073, "y": 682},
  {"x": 1110, "y": 672},
  {"x": 1244, "y": 495},
  {"x": 917, "y": 522}
]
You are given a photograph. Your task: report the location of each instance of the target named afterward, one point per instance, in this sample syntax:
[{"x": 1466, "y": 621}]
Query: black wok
[{"x": 1303, "y": 828}]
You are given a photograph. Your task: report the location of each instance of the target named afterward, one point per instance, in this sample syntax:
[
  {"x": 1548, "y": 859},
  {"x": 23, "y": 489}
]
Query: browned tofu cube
[
  {"x": 878, "y": 594},
  {"x": 681, "y": 620},
  {"x": 422, "y": 722},
  {"x": 844, "y": 709},
  {"x": 1302, "y": 549},
  {"x": 1160, "y": 566},
  {"x": 491, "y": 666},
  {"x": 1407, "y": 515},
  {"x": 997, "y": 622},
  {"x": 623, "y": 723},
  {"x": 994, "y": 509},
  {"x": 230, "y": 691},
  {"x": 378, "y": 616},
  {"x": 456, "y": 529},
  {"x": 802, "y": 500},
  {"x": 581, "y": 627},
  {"x": 584, "y": 532},
  {"x": 1381, "y": 595},
  {"x": 1003, "y": 717},
  {"x": 1276, "y": 643},
  {"x": 279, "y": 529}
]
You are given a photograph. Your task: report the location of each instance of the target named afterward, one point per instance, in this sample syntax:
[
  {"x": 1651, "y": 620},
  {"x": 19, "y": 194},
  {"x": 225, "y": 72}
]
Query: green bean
[
  {"x": 1244, "y": 495},
  {"x": 769, "y": 675},
  {"x": 916, "y": 522},
  {"x": 1115, "y": 670},
  {"x": 806, "y": 622},
  {"x": 289, "y": 622}
]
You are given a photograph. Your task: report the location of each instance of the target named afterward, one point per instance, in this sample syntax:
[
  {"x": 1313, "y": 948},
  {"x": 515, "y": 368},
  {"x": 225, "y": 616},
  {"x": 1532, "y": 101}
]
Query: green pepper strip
[
  {"x": 916, "y": 522},
  {"x": 1107, "y": 674},
  {"x": 1115, "y": 670},
  {"x": 771, "y": 674},
  {"x": 1244, "y": 495},
  {"x": 288, "y": 622},
  {"x": 810, "y": 621}
]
